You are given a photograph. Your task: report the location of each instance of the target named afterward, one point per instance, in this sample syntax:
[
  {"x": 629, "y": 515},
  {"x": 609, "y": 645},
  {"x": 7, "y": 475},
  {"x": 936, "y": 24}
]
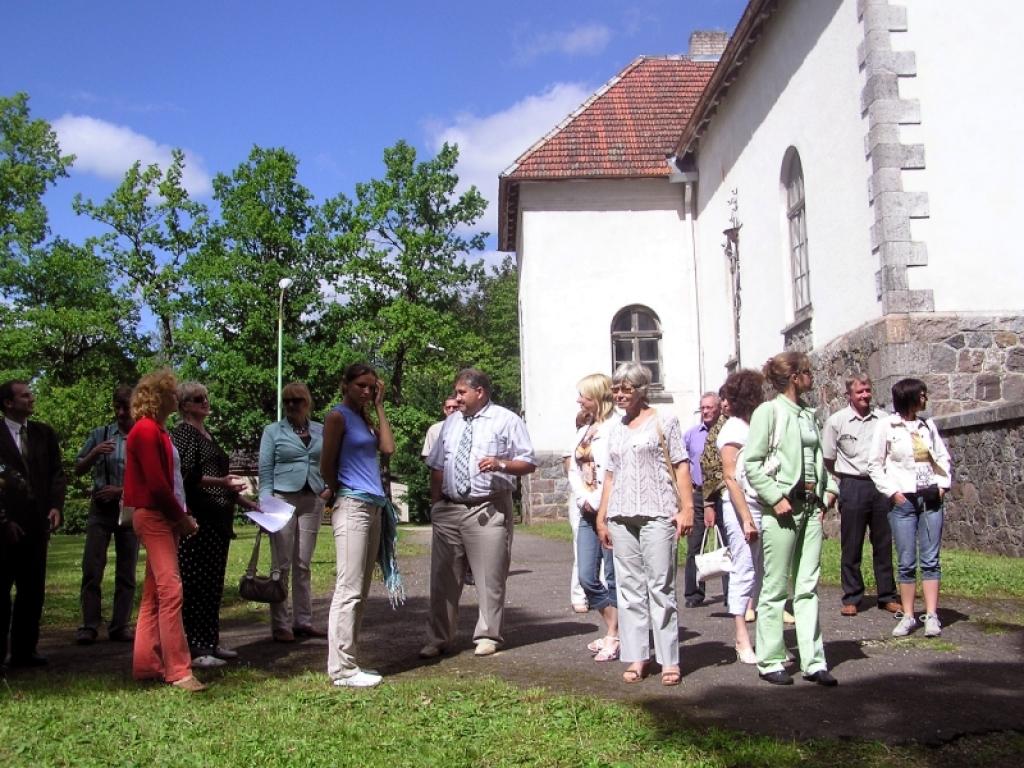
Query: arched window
[
  {"x": 636, "y": 336},
  {"x": 793, "y": 181}
]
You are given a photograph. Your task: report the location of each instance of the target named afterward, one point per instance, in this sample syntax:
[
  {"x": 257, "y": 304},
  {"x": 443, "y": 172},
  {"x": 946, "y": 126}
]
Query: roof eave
[{"x": 748, "y": 30}]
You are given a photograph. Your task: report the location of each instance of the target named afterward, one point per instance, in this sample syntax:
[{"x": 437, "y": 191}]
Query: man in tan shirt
[{"x": 846, "y": 442}]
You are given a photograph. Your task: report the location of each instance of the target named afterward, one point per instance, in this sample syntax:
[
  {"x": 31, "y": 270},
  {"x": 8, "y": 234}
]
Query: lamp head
[{"x": 285, "y": 283}]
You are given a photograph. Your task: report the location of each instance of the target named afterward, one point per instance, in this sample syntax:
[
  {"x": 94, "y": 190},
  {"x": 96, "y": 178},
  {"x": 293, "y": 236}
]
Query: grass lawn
[{"x": 250, "y": 717}]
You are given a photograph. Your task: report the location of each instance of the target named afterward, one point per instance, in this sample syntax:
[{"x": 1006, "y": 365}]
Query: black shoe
[
  {"x": 24, "y": 662},
  {"x": 126, "y": 635},
  {"x": 696, "y": 602},
  {"x": 85, "y": 636},
  {"x": 778, "y": 677},
  {"x": 822, "y": 677}
]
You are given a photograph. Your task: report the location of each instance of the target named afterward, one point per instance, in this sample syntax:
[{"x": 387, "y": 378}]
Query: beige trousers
[
  {"x": 481, "y": 535},
  {"x": 356, "y": 541},
  {"x": 292, "y": 552}
]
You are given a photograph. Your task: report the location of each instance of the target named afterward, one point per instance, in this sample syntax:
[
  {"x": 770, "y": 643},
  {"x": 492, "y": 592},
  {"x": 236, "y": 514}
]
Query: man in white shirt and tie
[{"x": 474, "y": 464}]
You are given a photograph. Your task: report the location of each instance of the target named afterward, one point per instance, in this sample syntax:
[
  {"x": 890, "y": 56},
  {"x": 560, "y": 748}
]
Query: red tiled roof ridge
[
  {"x": 601, "y": 92},
  {"x": 572, "y": 116}
]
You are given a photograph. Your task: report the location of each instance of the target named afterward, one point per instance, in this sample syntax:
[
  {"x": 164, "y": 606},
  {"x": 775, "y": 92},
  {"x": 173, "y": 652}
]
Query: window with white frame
[
  {"x": 636, "y": 337},
  {"x": 793, "y": 181}
]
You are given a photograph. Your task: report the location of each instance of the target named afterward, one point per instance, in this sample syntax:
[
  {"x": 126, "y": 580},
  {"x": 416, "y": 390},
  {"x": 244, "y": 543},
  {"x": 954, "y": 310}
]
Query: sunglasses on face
[
  {"x": 623, "y": 390},
  {"x": 294, "y": 401},
  {"x": 199, "y": 399}
]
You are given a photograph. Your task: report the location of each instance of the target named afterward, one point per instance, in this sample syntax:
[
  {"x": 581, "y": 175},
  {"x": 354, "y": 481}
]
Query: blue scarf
[{"x": 387, "y": 555}]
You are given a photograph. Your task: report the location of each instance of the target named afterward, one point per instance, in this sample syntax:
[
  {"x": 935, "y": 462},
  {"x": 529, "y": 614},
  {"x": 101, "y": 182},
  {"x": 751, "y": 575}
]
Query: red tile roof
[{"x": 625, "y": 130}]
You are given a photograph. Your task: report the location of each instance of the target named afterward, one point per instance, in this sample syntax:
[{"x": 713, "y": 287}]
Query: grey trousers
[
  {"x": 292, "y": 550},
  {"x": 100, "y": 527},
  {"x": 645, "y": 579},
  {"x": 356, "y": 541},
  {"x": 481, "y": 535}
]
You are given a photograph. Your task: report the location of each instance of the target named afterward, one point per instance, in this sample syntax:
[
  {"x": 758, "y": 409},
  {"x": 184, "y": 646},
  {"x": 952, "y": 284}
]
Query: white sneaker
[
  {"x": 907, "y": 625},
  {"x": 932, "y": 627},
  {"x": 225, "y": 653},
  {"x": 361, "y": 679},
  {"x": 207, "y": 662},
  {"x": 485, "y": 648}
]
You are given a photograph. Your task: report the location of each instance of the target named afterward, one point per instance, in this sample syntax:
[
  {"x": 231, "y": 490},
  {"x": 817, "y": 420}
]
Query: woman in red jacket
[{"x": 153, "y": 486}]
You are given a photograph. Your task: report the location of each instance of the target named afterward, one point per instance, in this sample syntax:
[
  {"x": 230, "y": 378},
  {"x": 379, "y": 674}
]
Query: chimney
[{"x": 707, "y": 45}]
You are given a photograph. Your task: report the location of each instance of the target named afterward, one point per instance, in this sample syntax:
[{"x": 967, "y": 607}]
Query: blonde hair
[
  {"x": 148, "y": 395},
  {"x": 598, "y": 387},
  {"x": 189, "y": 389},
  {"x": 297, "y": 389}
]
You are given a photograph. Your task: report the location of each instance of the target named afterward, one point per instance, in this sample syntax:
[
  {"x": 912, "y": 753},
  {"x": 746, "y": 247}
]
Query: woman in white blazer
[
  {"x": 290, "y": 470},
  {"x": 909, "y": 463}
]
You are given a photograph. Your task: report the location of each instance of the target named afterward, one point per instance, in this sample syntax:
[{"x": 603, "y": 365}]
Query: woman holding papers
[
  {"x": 290, "y": 470},
  {"x": 211, "y": 494},
  {"x": 350, "y": 467}
]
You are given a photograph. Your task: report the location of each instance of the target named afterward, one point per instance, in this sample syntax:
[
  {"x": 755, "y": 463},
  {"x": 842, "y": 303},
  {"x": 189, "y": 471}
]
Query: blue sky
[{"x": 333, "y": 82}]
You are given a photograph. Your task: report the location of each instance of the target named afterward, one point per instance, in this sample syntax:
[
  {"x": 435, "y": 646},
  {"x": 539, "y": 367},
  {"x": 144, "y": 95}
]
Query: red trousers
[{"x": 161, "y": 650}]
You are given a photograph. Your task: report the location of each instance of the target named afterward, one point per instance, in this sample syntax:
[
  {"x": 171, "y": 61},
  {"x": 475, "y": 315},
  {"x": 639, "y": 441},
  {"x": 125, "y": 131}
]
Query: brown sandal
[
  {"x": 634, "y": 675},
  {"x": 671, "y": 677}
]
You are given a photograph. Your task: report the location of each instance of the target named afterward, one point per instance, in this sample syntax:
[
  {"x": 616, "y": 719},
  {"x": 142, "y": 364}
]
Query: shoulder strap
[
  {"x": 254, "y": 561},
  {"x": 664, "y": 451}
]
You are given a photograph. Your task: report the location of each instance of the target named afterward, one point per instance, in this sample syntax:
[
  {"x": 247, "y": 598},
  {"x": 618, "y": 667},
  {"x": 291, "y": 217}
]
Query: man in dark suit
[{"x": 30, "y": 510}]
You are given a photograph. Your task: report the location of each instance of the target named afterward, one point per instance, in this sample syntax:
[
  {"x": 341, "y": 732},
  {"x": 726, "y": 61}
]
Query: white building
[{"x": 843, "y": 184}]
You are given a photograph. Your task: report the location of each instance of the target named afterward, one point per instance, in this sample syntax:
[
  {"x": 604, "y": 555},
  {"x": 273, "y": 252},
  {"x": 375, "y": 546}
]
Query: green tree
[
  {"x": 155, "y": 227},
  {"x": 30, "y": 163},
  {"x": 230, "y": 332},
  {"x": 408, "y": 271}
]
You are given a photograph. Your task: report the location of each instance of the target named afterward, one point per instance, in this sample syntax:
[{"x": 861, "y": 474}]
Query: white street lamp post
[{"x": 284, "y": 284}]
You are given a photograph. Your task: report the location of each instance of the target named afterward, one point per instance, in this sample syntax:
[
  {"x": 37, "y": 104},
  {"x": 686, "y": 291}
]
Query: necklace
[{"x": 301, "y": 431}]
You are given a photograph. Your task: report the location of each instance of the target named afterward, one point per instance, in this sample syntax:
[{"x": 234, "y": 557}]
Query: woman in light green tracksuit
[{"x": 785, "y": 468}]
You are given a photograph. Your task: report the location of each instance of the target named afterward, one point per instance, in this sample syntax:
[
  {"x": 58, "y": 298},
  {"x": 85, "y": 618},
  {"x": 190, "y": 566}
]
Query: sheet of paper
[{"x": 274, "y": 514}]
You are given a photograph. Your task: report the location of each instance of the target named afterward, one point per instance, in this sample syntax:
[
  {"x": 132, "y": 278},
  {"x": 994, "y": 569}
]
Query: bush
[{"x": 76, "y": 514}]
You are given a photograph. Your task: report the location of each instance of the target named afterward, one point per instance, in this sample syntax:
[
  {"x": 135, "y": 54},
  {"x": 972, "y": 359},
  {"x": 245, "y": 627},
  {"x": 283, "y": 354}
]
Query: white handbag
[{"x": 714, "y": 563}]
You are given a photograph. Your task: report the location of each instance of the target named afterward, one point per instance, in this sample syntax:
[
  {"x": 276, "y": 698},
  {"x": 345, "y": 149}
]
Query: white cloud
[
  {"x": 582, "y": 40},
  {"x": 488, "y": 144},
  {"x": 108, "y": 150}
]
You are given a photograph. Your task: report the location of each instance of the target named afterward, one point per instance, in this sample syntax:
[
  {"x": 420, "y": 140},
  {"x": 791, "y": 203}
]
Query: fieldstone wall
[
  {"x": 968, "y": 361},
  {"x": 973, "y": 365},
  {"x": 546, "y": 491},
  {"x": 985, "y": 509}
]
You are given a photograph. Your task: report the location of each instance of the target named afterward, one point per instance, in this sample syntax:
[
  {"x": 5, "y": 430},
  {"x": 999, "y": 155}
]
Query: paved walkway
[{"x": 969, "y": 682}]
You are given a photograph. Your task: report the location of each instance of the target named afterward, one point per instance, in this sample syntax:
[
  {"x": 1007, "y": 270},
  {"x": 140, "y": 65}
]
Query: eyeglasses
[
  {"x": 617, "y": 389},
  {"x": 294, "y": 400},
  {"x": 804, "y": 372},
  {"x": 199, "y": 399}
]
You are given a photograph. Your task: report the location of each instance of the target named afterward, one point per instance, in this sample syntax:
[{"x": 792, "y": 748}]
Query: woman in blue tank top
[{"x": 351, "y": 469}]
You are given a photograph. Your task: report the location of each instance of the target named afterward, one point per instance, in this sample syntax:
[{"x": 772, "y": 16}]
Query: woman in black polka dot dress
[{"x": 211, "y": 494}]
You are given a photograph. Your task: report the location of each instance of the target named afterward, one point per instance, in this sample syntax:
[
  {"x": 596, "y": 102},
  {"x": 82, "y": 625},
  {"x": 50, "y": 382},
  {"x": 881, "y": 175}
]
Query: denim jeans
[
  {"x": 591, "y": 555},
  {"x": 917, "y": 533}
]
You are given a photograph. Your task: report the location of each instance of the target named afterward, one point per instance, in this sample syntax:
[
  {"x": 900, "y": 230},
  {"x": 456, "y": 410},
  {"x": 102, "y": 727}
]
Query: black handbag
[{"x": 261, "y": 589}]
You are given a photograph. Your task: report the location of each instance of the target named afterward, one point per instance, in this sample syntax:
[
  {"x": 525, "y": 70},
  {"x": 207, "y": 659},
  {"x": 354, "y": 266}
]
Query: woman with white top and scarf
[{"x": 587, "y": 465}]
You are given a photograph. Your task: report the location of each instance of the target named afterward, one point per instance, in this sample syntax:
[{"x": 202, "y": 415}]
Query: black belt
[{"x": 845, "y": 476}]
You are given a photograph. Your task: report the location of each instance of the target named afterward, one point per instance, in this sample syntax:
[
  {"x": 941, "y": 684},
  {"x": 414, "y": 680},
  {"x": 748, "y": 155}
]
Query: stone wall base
[{"x": 546, "y": 491}]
